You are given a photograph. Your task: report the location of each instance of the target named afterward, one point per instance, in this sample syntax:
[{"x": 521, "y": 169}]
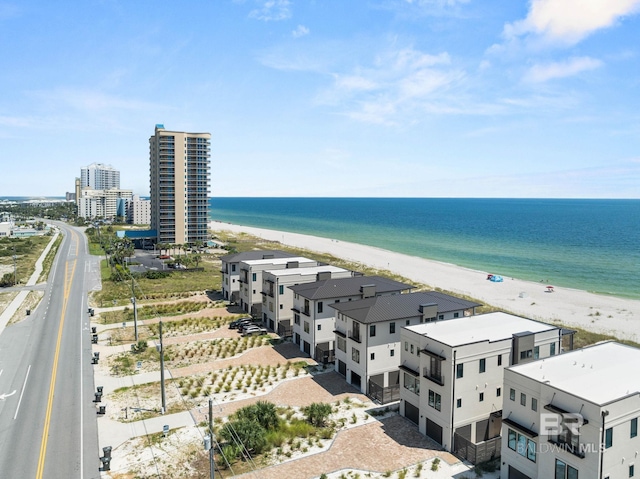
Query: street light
[{"x": 135, "y": 318}]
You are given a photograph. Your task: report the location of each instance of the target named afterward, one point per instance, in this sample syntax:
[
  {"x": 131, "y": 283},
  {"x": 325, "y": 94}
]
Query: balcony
[
  {"x": 434, "y": 376},
  {"x": 355, "y": 335}
]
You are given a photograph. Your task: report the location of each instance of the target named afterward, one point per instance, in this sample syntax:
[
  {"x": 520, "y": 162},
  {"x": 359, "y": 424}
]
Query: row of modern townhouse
[{"x": 481, "y": 386}]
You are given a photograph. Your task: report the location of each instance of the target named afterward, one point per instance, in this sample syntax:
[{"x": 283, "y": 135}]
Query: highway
[{"x": 48, "y": 423}]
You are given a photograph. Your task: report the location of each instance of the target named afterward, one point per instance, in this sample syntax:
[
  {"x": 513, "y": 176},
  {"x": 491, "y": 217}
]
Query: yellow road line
[{"x": 68, "y": 280}]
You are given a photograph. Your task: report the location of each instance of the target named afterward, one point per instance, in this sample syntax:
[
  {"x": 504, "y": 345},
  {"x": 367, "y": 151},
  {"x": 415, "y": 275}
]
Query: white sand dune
[{"x": 599, "y": 313}]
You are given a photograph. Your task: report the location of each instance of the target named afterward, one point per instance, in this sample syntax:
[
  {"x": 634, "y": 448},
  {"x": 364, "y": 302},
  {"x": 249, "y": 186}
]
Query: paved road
[{"x": 48, "y": 425}]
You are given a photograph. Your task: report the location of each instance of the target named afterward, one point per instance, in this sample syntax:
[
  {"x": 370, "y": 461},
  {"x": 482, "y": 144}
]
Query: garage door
[
  {"x": 515, "y": 474},
  {"x": 411, "y": 412},
  {"x": 434, "y": 431}
]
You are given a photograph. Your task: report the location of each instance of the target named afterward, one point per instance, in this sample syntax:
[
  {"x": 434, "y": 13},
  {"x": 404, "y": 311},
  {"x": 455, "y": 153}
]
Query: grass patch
[
  {"x": 27, "y": 251},
  {"x": 48, "y": 260},
  {"x": 178, "y": 284}
]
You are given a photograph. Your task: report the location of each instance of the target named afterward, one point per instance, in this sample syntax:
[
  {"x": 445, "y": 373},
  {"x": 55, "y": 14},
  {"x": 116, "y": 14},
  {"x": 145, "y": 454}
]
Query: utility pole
[
  {"x": 135, "y": 311},
  {"x": 15, "y": 268},
  {"x": 212, "y": 464},
  {"x": 164, "y": 400}
]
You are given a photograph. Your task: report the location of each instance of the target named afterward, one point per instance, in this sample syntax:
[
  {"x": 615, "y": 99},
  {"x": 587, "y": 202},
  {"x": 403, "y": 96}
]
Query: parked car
[
  {"x": 244, "y": 326},
  {"x": 254, "y": 331},
  {"x": 236, "y": 324}
]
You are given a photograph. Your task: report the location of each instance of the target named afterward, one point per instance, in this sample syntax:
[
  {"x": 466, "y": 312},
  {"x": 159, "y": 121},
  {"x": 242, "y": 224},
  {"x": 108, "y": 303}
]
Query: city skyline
[{"x": 444, "y": 98}]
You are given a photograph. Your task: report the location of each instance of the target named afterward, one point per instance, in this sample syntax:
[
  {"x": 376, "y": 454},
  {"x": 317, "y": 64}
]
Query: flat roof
[
  {"x": 252, "y": 262},
  {"x": 307, "y": 270},
  {"x": 599, "y": 374},
  {"x": 483, "y": 327}
]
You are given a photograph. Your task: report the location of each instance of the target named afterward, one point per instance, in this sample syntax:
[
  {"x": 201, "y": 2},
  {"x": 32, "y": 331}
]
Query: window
[
  {"x": 512, "y": 394},
  {"x": 536, "y": 352},
  {"x": 435, "y": 400},
  {"x": 441, "y": 316},
  {"x": 481, "y": 397},
  {"x": 498, "y": 392},
  {"x": 412, "y": 384},
  {"x": 407, "y": 322},
  {"x": 534, "y": 404},
  {"x": 608, "y": 438},
  {"x": 459, "y": 402},
  {"x": 281, "y": 289},
  {"x": 296, "y": 319},
  {"x": 526, "y": 354},
  {"x": 634, "y": 427},
  {"x": 406, "y": 346},
  {"x": 523, "y": 399},
  {"x": 306, "y": 327},
  {"x": 320, "y": 307},
  {"x": 372, "y": 330},
  {"x": 483, "y": 365},
  {"x": 392, "y": 352},
  {"x": 459, "y": 370},
  {"x": 499, "y": 359},
  {"x": 233, "y": 267},
  {"x": 319, "y": 327},
  {"x": 392, "y": 328},
  {"x": 355, "y": 355},
  {"x": 552, "y": 351},
  {"x": 435, "y": 369},
  {"x": 342, "y": 344},
  {"x": 522, "y": 445},
  {"x": 565, "y": 471},
  {"x": 282, "y": 306},
  {"x": 372, "y": 356},
  {"x": 631, "y": 470},
  {"x": 254, "y": 277},
  {"x": 456, "y": 315},
  {"x": 411, "y": 348}
]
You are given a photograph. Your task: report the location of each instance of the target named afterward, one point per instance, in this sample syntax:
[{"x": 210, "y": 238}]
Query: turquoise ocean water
[{"x": 592, "y": 245}]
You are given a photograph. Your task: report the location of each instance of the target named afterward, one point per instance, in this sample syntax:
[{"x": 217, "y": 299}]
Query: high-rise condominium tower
[
  {"x": 179, "y": 185},
  {"x": 99, "y": 177}
]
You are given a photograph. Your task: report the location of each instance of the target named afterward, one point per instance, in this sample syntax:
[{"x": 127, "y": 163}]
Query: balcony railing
[{"x": 434, "y": 376}]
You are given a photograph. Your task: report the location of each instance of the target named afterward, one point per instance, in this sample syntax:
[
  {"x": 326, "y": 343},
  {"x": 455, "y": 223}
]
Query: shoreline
[{"x": 616, "y": 316}]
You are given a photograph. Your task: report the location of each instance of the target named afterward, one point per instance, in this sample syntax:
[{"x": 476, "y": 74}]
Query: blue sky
[{"x": 444, "y": 98}]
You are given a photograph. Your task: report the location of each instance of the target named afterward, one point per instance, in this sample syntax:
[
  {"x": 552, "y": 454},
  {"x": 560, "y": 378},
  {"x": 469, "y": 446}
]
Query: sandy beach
[{"x": 604, "y": 314}]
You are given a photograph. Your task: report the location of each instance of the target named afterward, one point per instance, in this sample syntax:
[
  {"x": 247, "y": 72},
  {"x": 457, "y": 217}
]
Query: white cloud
[
  {"x": 354, "y": 82},
  {"x": 569, "y": 21},
  {"x": 571, "y": 67},
  {"x": 272, "y": 10},
  {"x": 398, "y": 82},
  {"x": 300, "y": 31}
]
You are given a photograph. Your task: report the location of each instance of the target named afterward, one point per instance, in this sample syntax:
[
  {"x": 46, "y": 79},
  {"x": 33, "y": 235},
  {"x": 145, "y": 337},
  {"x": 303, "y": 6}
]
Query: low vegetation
[{"x": 26, "y": 251}]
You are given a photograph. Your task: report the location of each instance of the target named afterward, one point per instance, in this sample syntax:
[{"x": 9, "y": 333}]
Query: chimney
[
  {"x": 368, "y": 290},
  {"x": 429, "y": 312},
  {"x": 323, "y": 275}
]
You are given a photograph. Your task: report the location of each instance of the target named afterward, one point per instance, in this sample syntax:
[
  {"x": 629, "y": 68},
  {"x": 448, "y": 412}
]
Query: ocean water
[{"x": 592, "y": 245}]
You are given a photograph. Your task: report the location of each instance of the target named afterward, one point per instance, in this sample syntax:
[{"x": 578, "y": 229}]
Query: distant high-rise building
[
  {"x": 179, "y": 185},
  {"x": 99, "y": 177}
]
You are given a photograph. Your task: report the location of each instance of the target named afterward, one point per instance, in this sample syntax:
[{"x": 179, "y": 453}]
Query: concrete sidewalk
[{"x": 10, "y": 310}]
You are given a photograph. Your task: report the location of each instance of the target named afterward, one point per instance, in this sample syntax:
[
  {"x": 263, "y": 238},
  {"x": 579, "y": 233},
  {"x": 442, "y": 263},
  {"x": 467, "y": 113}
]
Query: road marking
[
  {"x": 6, "y": 395},
  {"x": 68, "y": 280},
  {"x": 24, "y": 385}
]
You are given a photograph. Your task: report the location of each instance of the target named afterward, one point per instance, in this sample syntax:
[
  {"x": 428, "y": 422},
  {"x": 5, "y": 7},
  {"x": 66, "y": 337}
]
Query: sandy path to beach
[{"x": 605, "y": 314}]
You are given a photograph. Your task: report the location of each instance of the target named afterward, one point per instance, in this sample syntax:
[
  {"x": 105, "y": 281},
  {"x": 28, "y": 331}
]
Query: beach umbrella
[{"x": 549, "y": 289}]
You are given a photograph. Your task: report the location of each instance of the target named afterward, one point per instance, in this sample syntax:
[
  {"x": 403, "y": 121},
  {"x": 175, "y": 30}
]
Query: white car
[{"x": 254, "y": 331}]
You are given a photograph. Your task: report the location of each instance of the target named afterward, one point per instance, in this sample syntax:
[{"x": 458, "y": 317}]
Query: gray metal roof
[
  {"x": 255, "y": 254},
  {"x": 400, "y": 306},
  {"x": 344, "y": 287}
]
